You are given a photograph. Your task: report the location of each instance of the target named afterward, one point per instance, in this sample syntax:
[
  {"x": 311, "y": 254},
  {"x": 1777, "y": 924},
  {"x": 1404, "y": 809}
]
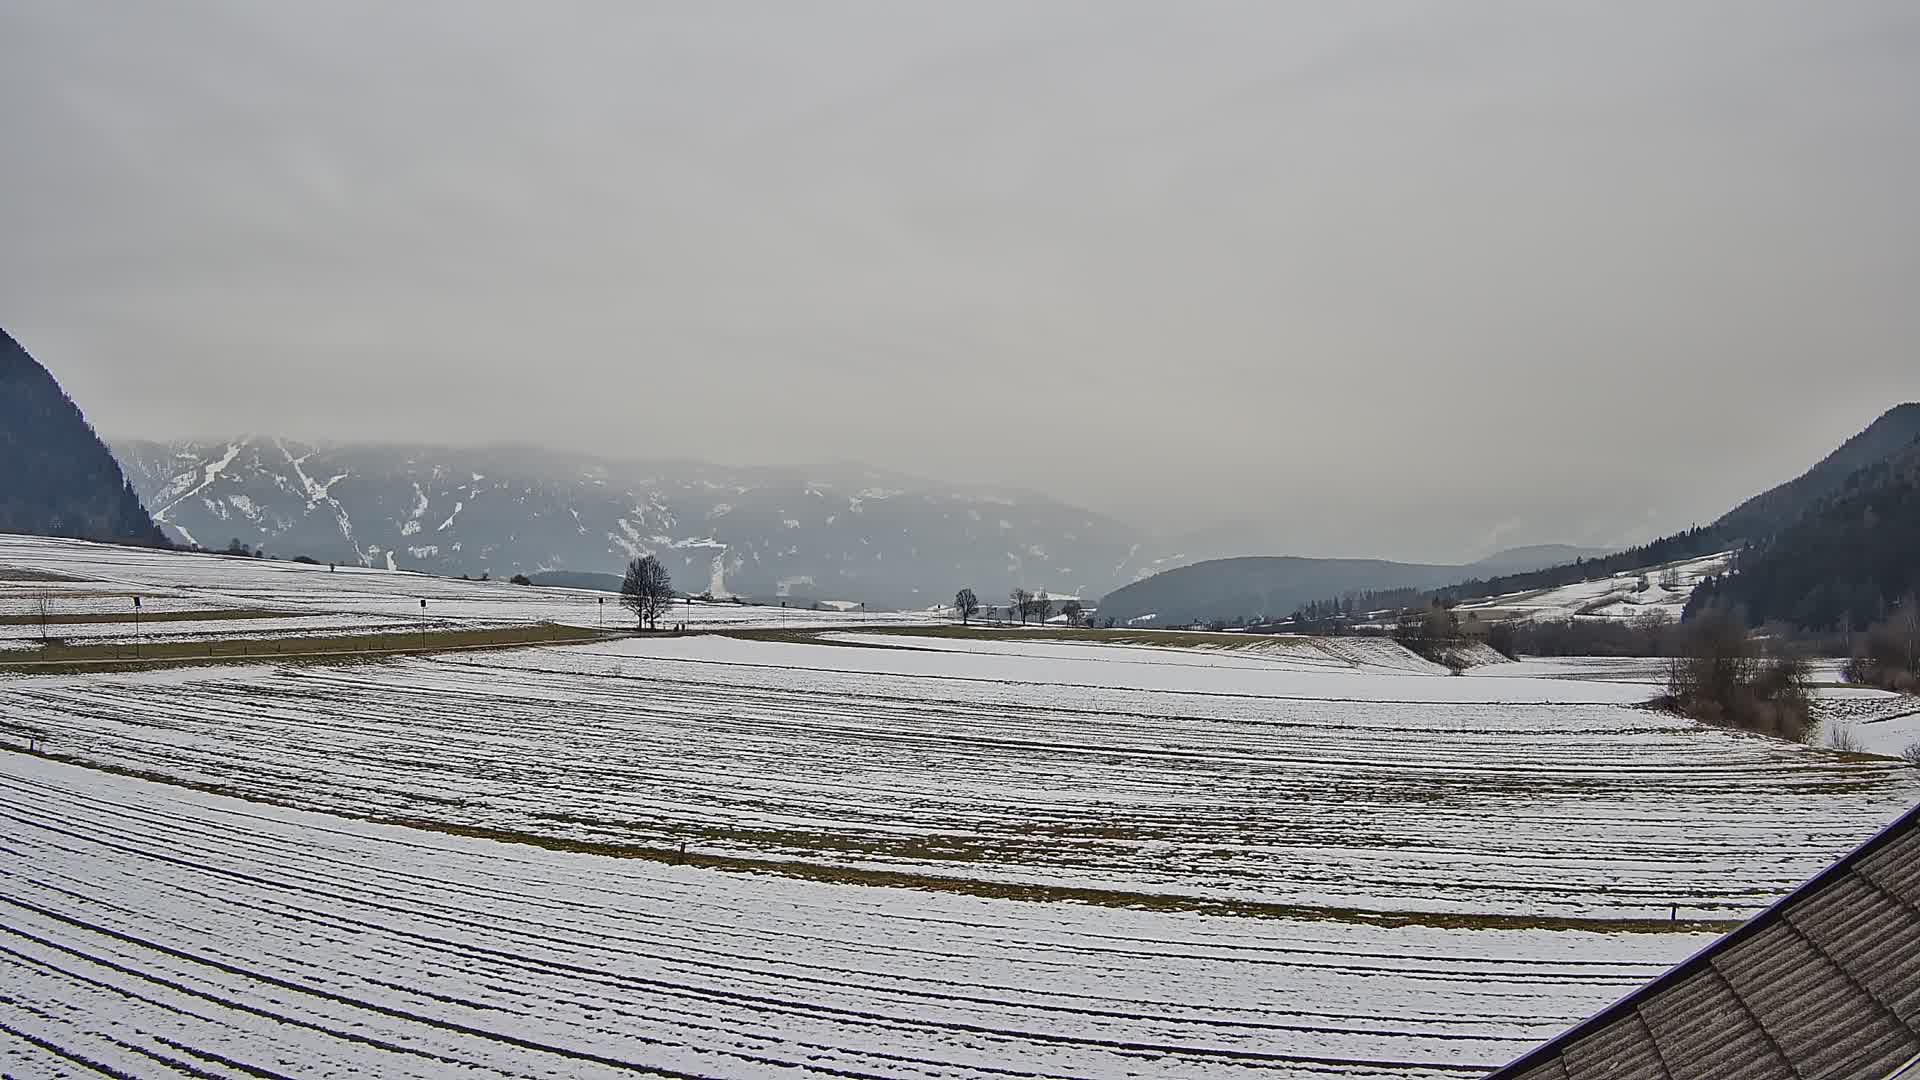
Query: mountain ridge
[
  {"x": 1256, "y": 587},
  {"x": 1272, "y": 590},
  {"x": 836, "y": 531},
  {"x": 57, "y": 478}
]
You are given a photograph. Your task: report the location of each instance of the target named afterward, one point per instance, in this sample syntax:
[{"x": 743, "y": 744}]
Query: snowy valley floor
[
  {"x": 155, "y": 930},
  {"x": 906, "y": 854}
]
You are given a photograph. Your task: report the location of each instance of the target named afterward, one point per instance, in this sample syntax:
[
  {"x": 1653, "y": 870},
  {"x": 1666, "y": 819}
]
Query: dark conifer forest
[
  {"x": 1844, "y": 565},
  {"x": 59, "y": 479}
]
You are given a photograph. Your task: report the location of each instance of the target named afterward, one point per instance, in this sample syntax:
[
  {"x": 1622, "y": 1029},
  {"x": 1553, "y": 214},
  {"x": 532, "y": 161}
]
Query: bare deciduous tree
[
  {"x": 1074, "y": 612},
  {"x": 1889, "y": 654},
  {"x": 1906, "y": 630},
  {"x": 1020, "y": 602},
  {"x": 1042, "y": 607},
  {"x": 646, "y": 591},
  {"x": 966, "y": 605},
  {"x": 1720, "y": 677}
]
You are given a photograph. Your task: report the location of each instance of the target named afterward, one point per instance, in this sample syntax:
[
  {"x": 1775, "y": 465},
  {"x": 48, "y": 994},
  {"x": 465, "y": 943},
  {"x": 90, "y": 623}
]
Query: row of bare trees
[{"x": 1022, "y": 605}]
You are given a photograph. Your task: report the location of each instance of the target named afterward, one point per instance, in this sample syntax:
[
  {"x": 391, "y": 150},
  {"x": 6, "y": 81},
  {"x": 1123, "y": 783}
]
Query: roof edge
[{"x": 1547, "y": 1050}]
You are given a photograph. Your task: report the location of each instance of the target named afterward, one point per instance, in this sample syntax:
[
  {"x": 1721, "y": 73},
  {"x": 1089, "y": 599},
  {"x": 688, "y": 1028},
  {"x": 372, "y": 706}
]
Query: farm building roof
[{"x": 1826, "y": 983}]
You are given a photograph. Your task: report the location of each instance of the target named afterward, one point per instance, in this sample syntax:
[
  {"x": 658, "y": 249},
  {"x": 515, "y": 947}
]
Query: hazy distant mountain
[
  {"x": 823, "y": 533},
  {"x": 1257, "y": 587},
  {"x": 56, "y": 477},
  {"x": 1533, "y": 557},
  {"x": 1252, "y": 587}
]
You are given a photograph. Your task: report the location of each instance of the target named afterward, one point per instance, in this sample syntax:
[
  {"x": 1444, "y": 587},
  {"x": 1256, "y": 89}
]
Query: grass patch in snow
[
  {"x": 63, "y": 659},
  {"x": 1166, "y": 639},
  {"x": 903, "y": 879},
  {"x": 58, "y": 619},
  {"x": 1066, "y": 894}
]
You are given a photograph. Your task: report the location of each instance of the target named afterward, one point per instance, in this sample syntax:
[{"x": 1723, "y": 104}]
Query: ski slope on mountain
[{"x": 1622, "y": 596}]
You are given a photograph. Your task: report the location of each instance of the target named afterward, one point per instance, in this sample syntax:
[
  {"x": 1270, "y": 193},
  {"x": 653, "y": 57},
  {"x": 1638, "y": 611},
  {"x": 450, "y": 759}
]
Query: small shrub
[
  {"x": 521, "y": 579},
  {"x": 1889, "y": 657},
  {"x": 1841, "y": 737},
  {"x": 1720, "y": 678},
  {"x": 1911, "y": 755}
]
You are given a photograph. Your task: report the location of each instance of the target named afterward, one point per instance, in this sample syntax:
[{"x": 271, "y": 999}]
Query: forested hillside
[
  {"x": 1770, "y": 511},
  {"x": 56, "y": 477},
  {"x": 1255, "y": 588},
  {"x": 1843, "y": 565},
  {"x": 1752, "y": 522}
]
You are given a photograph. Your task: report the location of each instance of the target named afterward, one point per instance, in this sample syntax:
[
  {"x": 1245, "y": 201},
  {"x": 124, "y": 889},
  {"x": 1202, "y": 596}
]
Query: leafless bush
[
  {"x": 1720, "y": 677},
  {"x": 1889, "y": 656},
  {"x": 1911, "y": 755},
  {"x": 1841, "y": 737}
]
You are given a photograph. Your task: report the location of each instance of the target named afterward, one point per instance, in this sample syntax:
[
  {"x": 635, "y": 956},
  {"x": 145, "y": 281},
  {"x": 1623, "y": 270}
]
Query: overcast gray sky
[{"x": 1399, "y": 279}]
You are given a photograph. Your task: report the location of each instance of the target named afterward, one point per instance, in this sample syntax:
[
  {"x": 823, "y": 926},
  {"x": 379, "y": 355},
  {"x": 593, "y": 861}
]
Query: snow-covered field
[
  {"x": 110, "y": 576},
  {"x": 159, "y": 931},
  {"x": 905, "y": 855},
  {"x": 1872, "y": 720},
  {"x": 1202, "y": 783},
  {"x": 1618, "y": 597}
]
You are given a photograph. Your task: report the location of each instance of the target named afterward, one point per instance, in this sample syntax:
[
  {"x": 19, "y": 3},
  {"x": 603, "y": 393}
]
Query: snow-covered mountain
[{"x": 843, "y": 532}]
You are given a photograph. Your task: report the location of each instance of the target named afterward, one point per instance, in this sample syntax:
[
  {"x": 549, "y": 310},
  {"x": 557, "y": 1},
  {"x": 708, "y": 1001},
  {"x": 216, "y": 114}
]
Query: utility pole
[
  {"x": 423, "y": 622},
  {"x": 603, "y": 614},
  {"x": 136, "y": 626}
]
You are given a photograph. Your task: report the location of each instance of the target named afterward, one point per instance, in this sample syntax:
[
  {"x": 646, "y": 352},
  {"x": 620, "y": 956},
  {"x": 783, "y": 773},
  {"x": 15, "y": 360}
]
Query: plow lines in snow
[
  {"x": 1444, "y": 812},
  {"x": 152, "y": 930},
  {"x": 1028, "y": 860}
]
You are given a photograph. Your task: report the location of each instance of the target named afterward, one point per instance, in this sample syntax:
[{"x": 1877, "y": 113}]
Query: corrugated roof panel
[
  {"x": 1875, "y": 938},
  {"x": 1705, "y": 1033},
  {"x": 1616, "y": 1052},
  {"x": 1823, "y": 1021},
  {"x": 1896, "y": 867},
  {"x": 1825, "y": 985}
]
